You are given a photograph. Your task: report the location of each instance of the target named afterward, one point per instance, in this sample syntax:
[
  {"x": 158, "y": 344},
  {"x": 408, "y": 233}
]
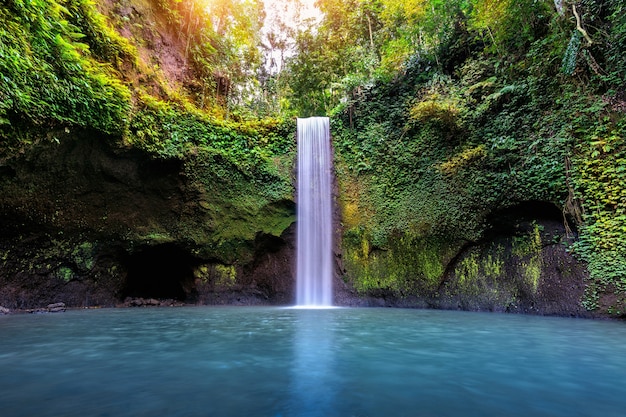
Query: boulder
[
  {"x": 56, "y": 307},
  {"x": 136, "y": 302}
]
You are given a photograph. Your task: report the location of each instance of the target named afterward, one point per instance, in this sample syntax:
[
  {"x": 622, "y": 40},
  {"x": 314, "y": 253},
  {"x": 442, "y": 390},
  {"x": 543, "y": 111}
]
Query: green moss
[
  {"x": 201, "y": 273},
  {"x": 406, "y": 265},
  {"x": 528, "y": 249},
  {"x": 532, "y": 271},
  {"x": 479, "y": 274},
  {"x": 236, "y": 202},
  {"x": 493, "y": 265},
  {"x": 241, "y": 172},
  {"x": 467, "y": 270},
  {"x": 226, "y": 276}
]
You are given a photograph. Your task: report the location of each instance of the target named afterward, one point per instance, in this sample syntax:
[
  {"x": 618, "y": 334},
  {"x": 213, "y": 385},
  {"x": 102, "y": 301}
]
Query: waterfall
[{"x": 314, "y": 242}]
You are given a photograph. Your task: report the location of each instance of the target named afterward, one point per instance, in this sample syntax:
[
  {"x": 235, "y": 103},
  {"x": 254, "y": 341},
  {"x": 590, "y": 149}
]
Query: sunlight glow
[
  {"x": 282, "y": 21},
  {"x": 292, "y": 13}
]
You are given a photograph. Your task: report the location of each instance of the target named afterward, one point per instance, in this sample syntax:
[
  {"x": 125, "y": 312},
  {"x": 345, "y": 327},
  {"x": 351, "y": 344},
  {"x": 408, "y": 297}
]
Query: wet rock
[
  {"x": 4, "y": 310},
  {"x": 133, "y": 302},
  {"x": 149, "y": 302},
  {"x": 56, "y": 308},
  {"x": 152, "y": 302}
]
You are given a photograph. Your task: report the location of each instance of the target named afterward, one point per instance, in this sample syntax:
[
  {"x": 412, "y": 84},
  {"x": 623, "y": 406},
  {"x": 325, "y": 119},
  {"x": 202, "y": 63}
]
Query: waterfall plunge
[{"x": 314, "y": 244}]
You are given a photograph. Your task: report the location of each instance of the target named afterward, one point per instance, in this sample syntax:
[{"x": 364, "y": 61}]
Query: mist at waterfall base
[
  {"x": 268, "y": 361},
  {"x": 314, "y": 214}
]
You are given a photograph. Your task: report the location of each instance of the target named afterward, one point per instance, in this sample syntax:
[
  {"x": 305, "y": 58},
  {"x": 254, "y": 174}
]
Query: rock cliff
[{"x": 87, "y": 222}]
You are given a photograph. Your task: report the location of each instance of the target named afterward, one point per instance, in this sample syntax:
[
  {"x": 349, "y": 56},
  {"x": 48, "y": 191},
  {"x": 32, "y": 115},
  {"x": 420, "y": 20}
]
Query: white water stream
[{"x": 314, "y": 243}]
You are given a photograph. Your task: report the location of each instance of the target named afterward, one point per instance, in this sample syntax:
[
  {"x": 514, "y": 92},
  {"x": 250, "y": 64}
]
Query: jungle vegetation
[{"x": 442, "y": 111}]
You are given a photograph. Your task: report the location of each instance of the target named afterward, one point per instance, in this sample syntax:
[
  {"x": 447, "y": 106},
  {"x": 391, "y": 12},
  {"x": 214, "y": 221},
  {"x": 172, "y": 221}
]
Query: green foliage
[
  {"x": 571, "y": 53},
  {"x": 222, "y": 43},
  {"x": 65, "y": 273},
  {"x": 439, "y": 162},
  {"x": 510, "y": 25},
  {"x": 49, "y": 75},
  {"x": 432, "y": 153},
  {"x": 83, "y": 256},
  {"x": 310, "y": 79},
  {"x": 242, "y": 171},
  {"x": 601, "y": 183},
  {"x": 105, "y": 43},
  {"x": 62, "y": 62},
  {"x": 435, "y": 109},
  {"x": 616, "y": 44},
  {"x": 168, "y": 131},
  {"x": 377, "y": 41}
]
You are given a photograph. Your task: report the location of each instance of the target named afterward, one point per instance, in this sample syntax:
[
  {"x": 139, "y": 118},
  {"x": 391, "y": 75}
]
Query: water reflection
[{"x": 314, "y": 386}]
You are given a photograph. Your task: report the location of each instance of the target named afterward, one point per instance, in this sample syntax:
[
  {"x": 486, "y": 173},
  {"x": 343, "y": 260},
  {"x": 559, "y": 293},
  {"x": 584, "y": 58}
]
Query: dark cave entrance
[
  {"x": 520, "y": 217},
  {"x": 161, "y": 272}
]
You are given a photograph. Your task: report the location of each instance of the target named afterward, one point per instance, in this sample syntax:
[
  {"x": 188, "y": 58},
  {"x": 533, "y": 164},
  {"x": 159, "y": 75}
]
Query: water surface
[{"x": 235, "y": 361}]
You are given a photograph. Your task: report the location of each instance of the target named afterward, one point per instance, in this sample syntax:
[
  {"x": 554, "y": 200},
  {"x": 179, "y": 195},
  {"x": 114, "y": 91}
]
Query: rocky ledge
[{"x": 88, "y": 221}]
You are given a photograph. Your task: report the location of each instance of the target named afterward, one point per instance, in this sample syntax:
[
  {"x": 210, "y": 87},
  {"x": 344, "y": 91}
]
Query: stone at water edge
[
  {"x": 4, "y": 310},
  {"x": 147, "y": 302},
  {"x": 56, "y": 307}
]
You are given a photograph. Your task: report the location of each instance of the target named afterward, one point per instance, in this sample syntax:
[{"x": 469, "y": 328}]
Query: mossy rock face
[
  {"x": 407, "y": 265},
  {"x": 522, "y": 264},
  {"x": 528, "y": 271},
  {"x": 232, "y": 206},
  {"x": 75, "y": 213},
  {"x": 42, "y": 266}
]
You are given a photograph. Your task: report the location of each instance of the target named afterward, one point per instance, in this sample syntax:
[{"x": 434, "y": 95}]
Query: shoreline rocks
[
  {"x": 50, "y": 308},
  {"x": 150, "y": 302},
  {"x": 56, "y": 308}
]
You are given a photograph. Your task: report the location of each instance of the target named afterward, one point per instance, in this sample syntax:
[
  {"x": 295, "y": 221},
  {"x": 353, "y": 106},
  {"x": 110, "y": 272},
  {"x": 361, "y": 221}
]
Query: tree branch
[{"x": 579, "y": 26}]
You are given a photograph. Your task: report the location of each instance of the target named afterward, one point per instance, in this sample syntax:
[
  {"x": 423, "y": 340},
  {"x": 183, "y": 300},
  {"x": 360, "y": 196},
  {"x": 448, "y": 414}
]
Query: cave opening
[
  {"x": 520, "y": 216},
  {"x": 162, "y": 272}
]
